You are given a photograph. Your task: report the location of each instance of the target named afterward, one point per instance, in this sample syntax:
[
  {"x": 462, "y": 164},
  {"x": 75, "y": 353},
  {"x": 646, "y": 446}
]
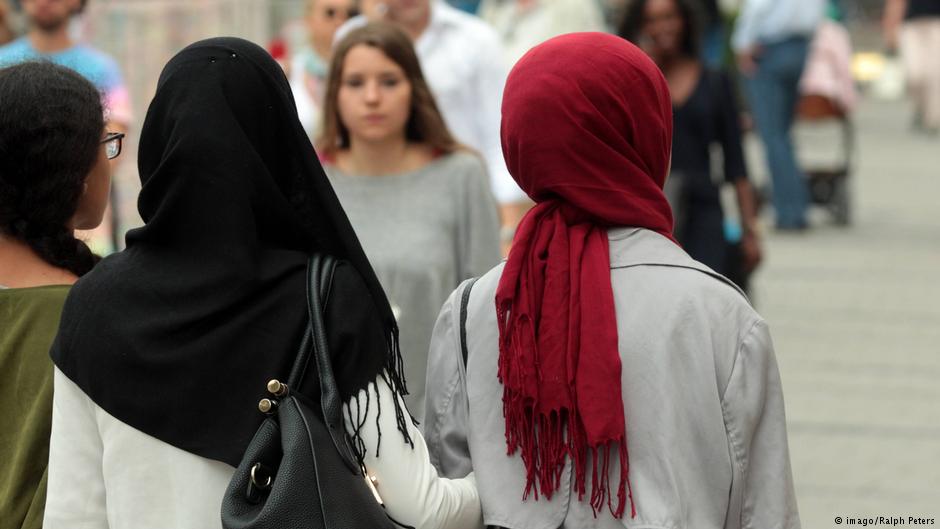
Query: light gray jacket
[{"x": 704, "y": 407}]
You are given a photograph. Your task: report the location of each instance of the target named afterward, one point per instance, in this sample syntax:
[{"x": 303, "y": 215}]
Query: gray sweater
[{"x": 424, "y": 232}]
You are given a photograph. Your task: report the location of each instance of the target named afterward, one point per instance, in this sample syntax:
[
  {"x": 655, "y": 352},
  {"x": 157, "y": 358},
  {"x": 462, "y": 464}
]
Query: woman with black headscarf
[{"x": 164, "y": 350}]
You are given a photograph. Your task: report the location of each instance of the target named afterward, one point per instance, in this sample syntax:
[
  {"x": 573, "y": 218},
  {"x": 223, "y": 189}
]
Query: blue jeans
[{"x": 773, "y": 91}]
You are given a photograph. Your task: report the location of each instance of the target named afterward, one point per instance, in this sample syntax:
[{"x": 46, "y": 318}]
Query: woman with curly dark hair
[{"x": 54, "y": 179}]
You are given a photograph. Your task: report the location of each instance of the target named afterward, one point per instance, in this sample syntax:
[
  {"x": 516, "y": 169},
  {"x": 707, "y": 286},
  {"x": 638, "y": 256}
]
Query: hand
[
  {"x": 751, "y": 253},
  {"x": 891, "y": 22},
  {"x": 891, "y": 40},
  {"x": 747, "y": 60}
]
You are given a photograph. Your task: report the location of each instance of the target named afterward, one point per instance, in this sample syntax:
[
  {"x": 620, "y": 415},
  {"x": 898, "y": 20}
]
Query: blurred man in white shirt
[{"x": 523, "y": 24}]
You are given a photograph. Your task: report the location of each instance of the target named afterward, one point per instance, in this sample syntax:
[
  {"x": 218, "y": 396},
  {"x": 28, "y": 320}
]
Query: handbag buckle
[
  {"x": 259, "y": 480},
  {"x": 372, "y": 481},
  {"x": 257, "y": 469}
]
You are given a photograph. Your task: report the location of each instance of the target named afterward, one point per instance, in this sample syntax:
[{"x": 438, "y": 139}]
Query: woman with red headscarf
[{"x": 601, "y": 377}]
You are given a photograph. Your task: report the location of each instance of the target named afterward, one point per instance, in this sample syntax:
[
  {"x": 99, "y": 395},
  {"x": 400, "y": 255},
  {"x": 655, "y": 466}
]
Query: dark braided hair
[{"x": 51, "y": 122}]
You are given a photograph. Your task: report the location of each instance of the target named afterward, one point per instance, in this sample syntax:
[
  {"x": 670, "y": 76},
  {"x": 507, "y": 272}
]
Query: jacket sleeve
[
  {"x": 75, "y": 497},
  {"x": 413, "y": 493},
  {"x": 447, "y": 408},
  {"x": 756, "y": 424}
]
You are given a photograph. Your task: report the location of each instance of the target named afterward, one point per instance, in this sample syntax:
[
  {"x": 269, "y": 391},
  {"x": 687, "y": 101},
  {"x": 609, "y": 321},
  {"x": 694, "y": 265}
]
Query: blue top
[{"x": 92, "y": 64}]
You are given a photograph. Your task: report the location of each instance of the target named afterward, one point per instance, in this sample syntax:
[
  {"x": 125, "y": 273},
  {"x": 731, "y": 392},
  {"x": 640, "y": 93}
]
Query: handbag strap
[
  {"x": 318, "y": 282},
  {"x": 464, "y": 302},
  {"x": 317, "y": 295},
  {"x": 320, "y": 269}
]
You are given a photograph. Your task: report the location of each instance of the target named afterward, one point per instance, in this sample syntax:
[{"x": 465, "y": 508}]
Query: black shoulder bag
[{"x": 299, "y": 470}]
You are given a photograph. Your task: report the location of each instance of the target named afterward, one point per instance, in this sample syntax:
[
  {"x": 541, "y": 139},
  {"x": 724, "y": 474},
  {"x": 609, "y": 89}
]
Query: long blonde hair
[{"x": 425, "y": 123}]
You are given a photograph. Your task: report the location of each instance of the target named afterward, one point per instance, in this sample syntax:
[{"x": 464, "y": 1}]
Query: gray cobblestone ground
[{"x": 855, "y": 314}]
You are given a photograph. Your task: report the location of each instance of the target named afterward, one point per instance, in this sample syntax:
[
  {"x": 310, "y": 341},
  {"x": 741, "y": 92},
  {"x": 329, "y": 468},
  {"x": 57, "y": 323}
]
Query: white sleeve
[
  {"x": 490, "y": 79},
  {"x": 308, "y": 111},
  {"x": 410, "y": 487},
  {"x": 75, "y": 497},
  {"x": 745, "y": 28}
]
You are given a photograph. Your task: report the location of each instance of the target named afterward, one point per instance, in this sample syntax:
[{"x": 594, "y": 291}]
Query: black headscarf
[{"x": 178, "y": 334}]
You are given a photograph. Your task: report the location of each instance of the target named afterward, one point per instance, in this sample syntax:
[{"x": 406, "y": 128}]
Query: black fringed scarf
[{"x": 178, "y": 334}]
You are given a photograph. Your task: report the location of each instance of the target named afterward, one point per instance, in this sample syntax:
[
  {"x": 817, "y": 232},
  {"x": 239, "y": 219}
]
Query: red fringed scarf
[{"x": 586, "y": 132}]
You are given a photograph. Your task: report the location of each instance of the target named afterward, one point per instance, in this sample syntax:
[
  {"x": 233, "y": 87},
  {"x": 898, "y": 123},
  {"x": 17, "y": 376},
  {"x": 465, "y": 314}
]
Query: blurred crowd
[
  {"x": 731, "y": 67},
  {"x": 466, "y": 47},
  {"x": 402, "y": 101}
]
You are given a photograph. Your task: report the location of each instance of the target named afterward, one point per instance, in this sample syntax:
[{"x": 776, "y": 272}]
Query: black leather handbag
[{"x": 299, "y": 470}]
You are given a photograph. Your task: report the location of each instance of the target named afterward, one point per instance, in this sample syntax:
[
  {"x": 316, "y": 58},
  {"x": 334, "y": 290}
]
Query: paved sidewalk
[{"x": 855, "y": 314}]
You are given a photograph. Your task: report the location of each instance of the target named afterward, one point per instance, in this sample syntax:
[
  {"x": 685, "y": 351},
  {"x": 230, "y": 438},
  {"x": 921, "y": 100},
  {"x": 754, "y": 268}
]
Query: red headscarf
[{"x": 587, "y": 133}]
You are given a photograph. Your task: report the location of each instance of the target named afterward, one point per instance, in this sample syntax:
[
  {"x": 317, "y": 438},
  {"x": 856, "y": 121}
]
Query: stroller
[
  {"x": 828, "y": 181},
  {"x": 828, "y": 96}
]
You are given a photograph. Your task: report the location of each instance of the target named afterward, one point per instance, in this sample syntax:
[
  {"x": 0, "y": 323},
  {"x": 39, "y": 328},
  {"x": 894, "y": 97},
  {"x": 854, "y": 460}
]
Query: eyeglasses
[
  {"x": 333, "y": 13},
  {"x": 112, "y": 144}
]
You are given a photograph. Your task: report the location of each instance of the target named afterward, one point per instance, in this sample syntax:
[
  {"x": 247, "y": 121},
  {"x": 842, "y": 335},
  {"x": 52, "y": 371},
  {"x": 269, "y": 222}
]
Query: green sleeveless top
[{"x": 29, "y": 318}]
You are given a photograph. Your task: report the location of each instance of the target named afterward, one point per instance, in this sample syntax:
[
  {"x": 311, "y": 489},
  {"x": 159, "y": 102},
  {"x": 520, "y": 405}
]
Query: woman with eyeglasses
[
  {"x": 166, "y": 348},
  {"x": 54, "y": 179},
  {"x": 309, "y": 64},
  {"x": 419, "y": 201}
]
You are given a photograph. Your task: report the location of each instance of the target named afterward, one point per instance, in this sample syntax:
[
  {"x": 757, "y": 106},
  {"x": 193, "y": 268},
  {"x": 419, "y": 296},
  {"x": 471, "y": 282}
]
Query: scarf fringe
[
  {"x": 394, "y": 380},
  {"x": 394, "y": 376},
  {"x": 358, "y": 420},
  {"x": 544, "y": 440}
]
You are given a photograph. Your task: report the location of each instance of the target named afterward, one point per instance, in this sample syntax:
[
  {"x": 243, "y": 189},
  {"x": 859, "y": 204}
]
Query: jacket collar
[{"x": 638, "y": 246}]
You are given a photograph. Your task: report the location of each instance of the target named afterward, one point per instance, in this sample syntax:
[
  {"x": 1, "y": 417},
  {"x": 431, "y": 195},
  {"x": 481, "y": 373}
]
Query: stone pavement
[{"x": 855, "y": 315}]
